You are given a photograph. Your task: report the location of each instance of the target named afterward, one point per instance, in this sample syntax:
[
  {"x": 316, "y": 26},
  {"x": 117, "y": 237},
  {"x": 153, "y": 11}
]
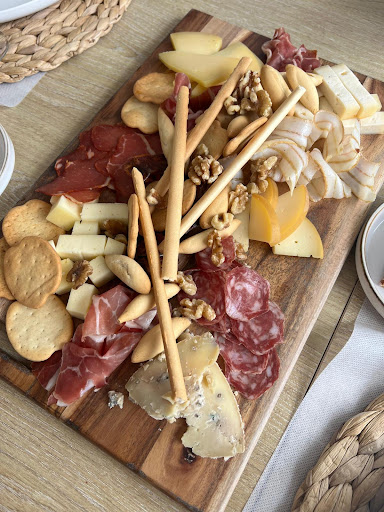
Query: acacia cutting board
[{"x": 299, "y": 286}]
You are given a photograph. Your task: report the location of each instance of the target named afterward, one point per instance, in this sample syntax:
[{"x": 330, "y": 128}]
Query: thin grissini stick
[
  {"x": 171, "y": 352},
  {"x": 242, "y": 158},
  {"x": 176, "y": 186},
  {"x": 200, "y": 129},
  {"x": 133, "y": 225}
]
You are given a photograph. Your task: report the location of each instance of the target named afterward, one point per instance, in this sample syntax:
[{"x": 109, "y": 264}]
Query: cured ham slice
[
  {"x": 46, "y": 372},
  {"x": 83, "y": 196},
  {"x": 280, "y": 52},
  {"x": 105, "y": 137},
  {"x": 204, "y": 261}
]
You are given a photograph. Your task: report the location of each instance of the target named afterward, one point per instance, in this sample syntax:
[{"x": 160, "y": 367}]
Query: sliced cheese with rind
[
  {"x": 305, "y": 242},
  {"x": 338, "y": 96},
  {"x": 239, "y": 50},
  {"x": 196, "y": 42}
]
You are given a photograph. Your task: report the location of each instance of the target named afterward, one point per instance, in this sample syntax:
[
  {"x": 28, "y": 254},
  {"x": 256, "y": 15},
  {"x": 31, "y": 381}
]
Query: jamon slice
[{"x": 46, "y": 372}]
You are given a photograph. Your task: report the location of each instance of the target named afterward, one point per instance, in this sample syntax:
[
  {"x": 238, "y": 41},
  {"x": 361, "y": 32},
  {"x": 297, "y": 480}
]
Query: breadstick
[
  {"x": 200, "y": 129},
  {"x": 176, "y": 186},
  {"x": 171, "y": 351},
  {"x": 242, "y": 158},
  {"x": 133, "y": 225}
]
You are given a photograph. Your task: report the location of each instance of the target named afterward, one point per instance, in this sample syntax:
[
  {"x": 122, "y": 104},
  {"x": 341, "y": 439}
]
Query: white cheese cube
[
  {"x": 100, "y": 212},
  {"x": 324, "y": 104},
  {"x": 85, "y": 228},
  {"x": 64, "y": 286},
  {"x": 241, "y": 234},
  {"x": 377, "y": 99},
  {"x": 54, "y": 199},
  {"x": 52, "y": 243},
  {"x": 338, "y": 96},
  {"x": 114, "y": 247},
  {"x": 373, "y": 125},
  {"x": 80, "y": 300},
  {"x": 101, "y": 273},
  {"x": 367, "y": 104},
  {"x": 80, "y": 247},
  {"x": 64, "y": 213}
]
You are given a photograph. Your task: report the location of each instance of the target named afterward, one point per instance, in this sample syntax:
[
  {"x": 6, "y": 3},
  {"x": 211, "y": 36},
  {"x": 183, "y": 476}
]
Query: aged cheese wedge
[
  {"x": 64, "y": 213},
  {"x": 263, "y": 224},
  {"x": 101, "y": 274},
  {"x": 86, "y": 228},
  {"x": 272, "y": 192},
  {"x": 65, "y": 286},
  {"x": 241, "y": 235},
  {"x": 80, "y": 300},
  {"x": 80, "y": 247},
  {"x": 239, "y": 50},
  {"x": 150, "y": 383},
  {"x": 101, "y": 212},
  {"x": 291, "y": 210},
  {"x": 215, "y": 429},
  {"x": 207, "y": 70},
  {"x": 338, "y": 96},
  {"x": 196, "y": 42},
  {"x": 373, "y": 125},
  {"x": 305, "y": 241},
  {"x": 368, "y": 105}
]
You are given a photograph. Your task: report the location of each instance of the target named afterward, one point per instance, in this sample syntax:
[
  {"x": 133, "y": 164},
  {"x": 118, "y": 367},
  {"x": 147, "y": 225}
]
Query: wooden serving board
[{"x": 299, "y": 285}]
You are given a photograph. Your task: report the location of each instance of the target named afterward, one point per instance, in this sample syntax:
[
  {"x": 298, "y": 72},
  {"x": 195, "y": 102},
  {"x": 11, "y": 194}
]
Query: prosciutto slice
[{"x": 46, "y": 372}]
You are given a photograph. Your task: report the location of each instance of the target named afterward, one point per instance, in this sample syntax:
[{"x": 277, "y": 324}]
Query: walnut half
[
  {"x": 186, "y": 283},
  {"x": 196, "y": 308},
  {"x": 214, "y": 242},
  {"x": 238, "y": 199},
  {"x": 79, "y": 273},
  {"x": 260, "y": 169}
]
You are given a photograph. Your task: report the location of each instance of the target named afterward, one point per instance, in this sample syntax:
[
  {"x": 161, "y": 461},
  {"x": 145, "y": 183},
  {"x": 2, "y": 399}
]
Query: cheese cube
[
  {"x": 85, "y": 228},
  {"x": 241, "y": 234},
  {"x": 114, "y": 247},
  {"x": 64, "y": 286},
  {"x": 377, "y": 99},
  {"x": 52, "y": 243},
  {"x": 80, "y": 247},
  {"x": 373, "y": 125},
  {"x": 367, "y": 104},
  {"x": 80, "y": 300},
  {"x": 340, "y": 99},
  {"x": 324, "y": 104},
  {"x": 101, "y": 273},
  {"x": 64, "y": 213},
  {"x": 100, "y": 212},
  {"x": 54, "y": 199}
]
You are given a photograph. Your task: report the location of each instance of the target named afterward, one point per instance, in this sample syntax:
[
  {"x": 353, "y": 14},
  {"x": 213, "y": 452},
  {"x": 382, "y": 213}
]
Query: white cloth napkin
[
  {"x": 13, "y": 94},
  {"x": 353, "y": 379}
]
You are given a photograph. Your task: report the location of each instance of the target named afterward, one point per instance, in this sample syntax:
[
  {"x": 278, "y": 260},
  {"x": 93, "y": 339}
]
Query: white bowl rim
[
  {"x": 367, "y": 227},
  {"x": 8, "y": 164}
]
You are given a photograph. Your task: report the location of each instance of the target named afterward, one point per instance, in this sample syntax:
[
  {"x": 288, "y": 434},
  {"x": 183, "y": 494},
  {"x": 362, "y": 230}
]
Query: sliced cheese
[
  {"x": 80, "y": 300},
  {"x": 305, "y": 242},
  {"x": 81, "y": 247},
  {"x": 64, "y": 213},
  {"x": 114, "y": 247},
  {"x": 324, "y": 104},
  {"x": 239, "y": 50},
  {"x": 368, "y": 105},
  {"x": 340, "y": 99},
  {"x": 64, "y": 286},
  {"x": 101, "y": 274},
  {"x": 196, "y": 42},
  {"x": 377, "y": 99},
  {"x": 101, "y": 212},
  {"x": 241, "y": 235},
  {"x": 86, "y": 228},
  {"x": 373, "y": 125}
]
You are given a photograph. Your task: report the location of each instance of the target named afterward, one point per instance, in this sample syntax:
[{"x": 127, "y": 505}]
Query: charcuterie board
[{"x": 299, "y": 285}]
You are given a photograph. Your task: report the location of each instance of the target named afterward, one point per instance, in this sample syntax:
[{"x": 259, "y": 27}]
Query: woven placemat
[
  {"x": 349, "y": 476},
  {"x": 43, "y": 41}
]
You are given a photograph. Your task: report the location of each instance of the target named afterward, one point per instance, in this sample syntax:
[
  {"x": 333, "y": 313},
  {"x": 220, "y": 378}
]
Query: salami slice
[
  {"x": 253, "y": 385},
  {"x": 262, "y": 333},
  {"x": 210, "y": 288},
  {"x": 247, "y": 294},
  {"x": 238, "y": 357},
  {"x": 204, "y": 261}
]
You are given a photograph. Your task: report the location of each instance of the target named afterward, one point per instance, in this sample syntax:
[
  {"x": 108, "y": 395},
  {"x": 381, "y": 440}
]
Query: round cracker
[
  {"x": 154, "y": 87},
  {"x": 33, "y": 271},
  {"x": 5, "y": 292},
  {"x": 30, "y": 220},
  {"x": 37, "y": 333}
]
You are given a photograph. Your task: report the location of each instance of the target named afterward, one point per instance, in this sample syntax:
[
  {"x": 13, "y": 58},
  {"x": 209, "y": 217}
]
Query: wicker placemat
[
  {"x": 42, "y": 41},
  {"x": 349, "y": 476}
]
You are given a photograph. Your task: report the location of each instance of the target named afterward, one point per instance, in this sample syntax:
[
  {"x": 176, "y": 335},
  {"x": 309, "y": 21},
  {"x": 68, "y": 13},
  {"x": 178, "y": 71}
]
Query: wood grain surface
[{"x": 30, "y": 493}]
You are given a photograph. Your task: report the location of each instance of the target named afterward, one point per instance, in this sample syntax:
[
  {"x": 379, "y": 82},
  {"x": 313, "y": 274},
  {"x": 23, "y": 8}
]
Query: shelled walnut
[
  {"x": 113, "y": 227},
  {"x": 260, "y": 170},
  {"x": 196, "y": 308},
  {"x": 79, "y": 273},
  {"x": 186, "y": 283},
  {"x": 264, "y": 108},
  {"x": 214, "y": 242},
  {"x": 221, "y": 220},
  {"x": 238, "y": 199},
  {"x": 204, "y": 168},
  {"x": 244, "y": 97},
  {"x": 241, "y": 255}
]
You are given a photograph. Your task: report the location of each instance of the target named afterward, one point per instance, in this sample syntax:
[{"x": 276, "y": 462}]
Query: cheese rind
[
  {"x": 101, "y": 274},
  {"x": 81, "y": 247},
  {"x": 80, "y": 300},
  {"x": 86, "y": 228},
  {"x": 64, "y": 286},
  {"x": 340, "y": 99},
  {"x": 64, "y": 213},
  {"x": 367, "y": 104},
  {"x": 101, "y": 212},
  {"x": 114, "y": 247}
]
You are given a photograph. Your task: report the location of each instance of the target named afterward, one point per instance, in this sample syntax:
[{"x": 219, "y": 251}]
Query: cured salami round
[
  {"x": 204, "y": 261},
  {"x": 239, "y": 357},
  {"x": 253, "y": 385},
  {"x": 262, "y": 332},
  {"x": 210, "y": 288},
  {"x": 246, "y": 294}
]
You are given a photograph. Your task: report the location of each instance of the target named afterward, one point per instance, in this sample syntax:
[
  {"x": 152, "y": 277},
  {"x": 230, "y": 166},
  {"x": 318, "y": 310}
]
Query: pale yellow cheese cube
[
  {"x": 81, "y": 247},
  {"x": 101, "y": 212},
  {"x": 86, "y": 228},
  {"x": 241, "y": 235},
  {"x": 367, "y": 104},
  {"x": 54, "y": 199},
  {"x": 338, "y": 96},
  {"x": 80, "y": 300},
  {"x": 64, "y": 286},
  {"x": 114, "y": 247},
  {"x": 101, "y": 273},
  {"x": 64, "y": 213},
  {"x": 52, "y": 243}
]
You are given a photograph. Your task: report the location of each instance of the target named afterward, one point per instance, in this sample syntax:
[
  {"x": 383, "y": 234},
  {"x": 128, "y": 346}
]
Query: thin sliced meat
[
  {"x": 204, "y": 261},
  {"x": 122, "y": 183},
  {"x": 101, "y": 165},
  {"x": 80, "y": 153},
  {"x": 246, "y": 294},
  {"x": 204, "y": 100},
  {"x": 263, "y": 332},
  {"x": 253, "y": 385},
  {"x": 105, "y": 137},
  {"x": 83, "y": 196},
  {"x": 46, "y": 372},
  {"x": 133, "y": 144},
  {"x": 210, "y": 288},
  {"x": 223, "y": 326},
  {"x": 238, "y": 357}
]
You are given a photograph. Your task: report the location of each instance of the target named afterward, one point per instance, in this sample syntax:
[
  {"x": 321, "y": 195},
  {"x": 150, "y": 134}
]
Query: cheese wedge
[
  {"x": 368, "y": 105},
  {"x": 263, "y": 224},
  {"x": 239, "y": 50},
  {"x": 373, "y": 125},
  {"x": 64, "y": 213},
  {"x": 291, "y": 210},
  {"x": 196, "y": 42},
  {"x": 101, "y": 274},
  {"x": 305, "y": 242},
  {"x": 338, "y": 96},
  {"x": 80, "y": 300}
]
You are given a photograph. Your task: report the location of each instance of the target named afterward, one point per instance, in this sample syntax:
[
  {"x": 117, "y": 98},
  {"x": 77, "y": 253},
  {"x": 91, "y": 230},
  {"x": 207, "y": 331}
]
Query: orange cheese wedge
[
  {"x": 291, "y": 210},
  {"x": 272, "y": 193},
  {"x": 264, "y": 224}
]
